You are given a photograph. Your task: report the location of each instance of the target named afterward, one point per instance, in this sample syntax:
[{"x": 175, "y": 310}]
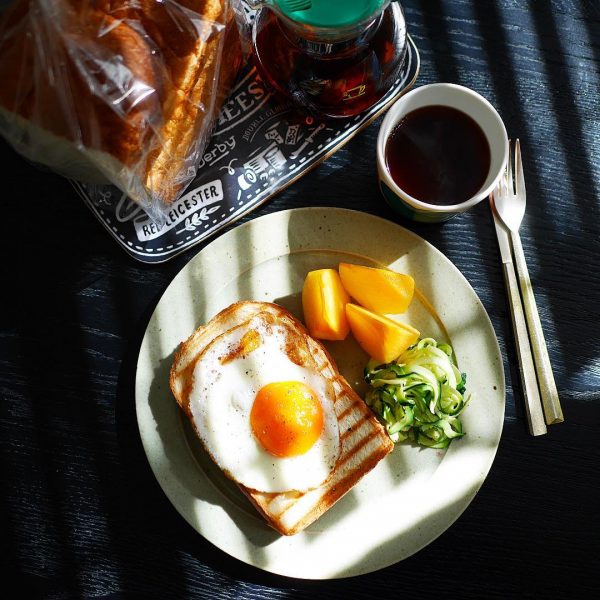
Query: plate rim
[{"x": 285, "y": 214}]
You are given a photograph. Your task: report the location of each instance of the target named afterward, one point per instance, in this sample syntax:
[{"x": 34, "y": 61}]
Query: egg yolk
[{"x": 286, "y": 418}]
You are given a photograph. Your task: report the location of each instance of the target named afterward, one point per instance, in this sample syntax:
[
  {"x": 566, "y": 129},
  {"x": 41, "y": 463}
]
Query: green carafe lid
[{"x": 331, "y": 13}]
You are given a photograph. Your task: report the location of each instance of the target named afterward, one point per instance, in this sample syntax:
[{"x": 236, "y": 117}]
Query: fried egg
[{"x": 262, "y": 410}]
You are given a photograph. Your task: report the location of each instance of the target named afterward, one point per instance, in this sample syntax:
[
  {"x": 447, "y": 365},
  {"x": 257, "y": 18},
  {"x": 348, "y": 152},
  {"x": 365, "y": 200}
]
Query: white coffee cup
[{"x": 460, "y": 98}]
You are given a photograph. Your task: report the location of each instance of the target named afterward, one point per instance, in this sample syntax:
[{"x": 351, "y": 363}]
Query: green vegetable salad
[{"x": 419, "y": 396}]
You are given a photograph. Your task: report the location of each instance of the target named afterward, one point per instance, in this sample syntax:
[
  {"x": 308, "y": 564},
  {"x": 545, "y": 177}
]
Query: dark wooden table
[{"x": 81, "y": 514}]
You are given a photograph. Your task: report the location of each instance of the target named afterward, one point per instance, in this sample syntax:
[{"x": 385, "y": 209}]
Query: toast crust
[{"x": 364, "y": 441}]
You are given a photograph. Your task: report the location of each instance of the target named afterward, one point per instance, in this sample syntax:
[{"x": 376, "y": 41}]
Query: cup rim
[{"x": 394, "y": 115}]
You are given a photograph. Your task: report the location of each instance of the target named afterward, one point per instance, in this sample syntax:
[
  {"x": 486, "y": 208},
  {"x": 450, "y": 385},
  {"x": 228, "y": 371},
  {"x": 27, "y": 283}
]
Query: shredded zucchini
[{"x": 419, "y": 396}]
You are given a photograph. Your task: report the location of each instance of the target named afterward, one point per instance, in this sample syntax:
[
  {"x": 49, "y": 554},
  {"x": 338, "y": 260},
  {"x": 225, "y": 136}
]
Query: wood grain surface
[{"x": 81, "y": 515}]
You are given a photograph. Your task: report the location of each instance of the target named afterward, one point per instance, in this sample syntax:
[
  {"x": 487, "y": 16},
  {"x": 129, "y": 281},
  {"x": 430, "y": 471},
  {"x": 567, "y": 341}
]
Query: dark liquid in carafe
[
  {"x": 438, "y": 155},
  {"x": 346, "y": 82}
]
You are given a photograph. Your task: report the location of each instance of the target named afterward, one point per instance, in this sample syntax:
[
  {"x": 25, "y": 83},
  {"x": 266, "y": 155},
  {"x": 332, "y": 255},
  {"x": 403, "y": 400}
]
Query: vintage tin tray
[{"x": 261, "y": 144}]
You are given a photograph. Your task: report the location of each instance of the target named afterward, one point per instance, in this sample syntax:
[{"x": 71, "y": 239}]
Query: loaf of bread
[
  {"x": 116, "y": 90},
  {"x": 364, "y": 441}
]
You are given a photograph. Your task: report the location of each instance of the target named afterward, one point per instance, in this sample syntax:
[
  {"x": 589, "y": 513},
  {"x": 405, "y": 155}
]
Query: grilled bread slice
[{"x": 364, "y": 441}]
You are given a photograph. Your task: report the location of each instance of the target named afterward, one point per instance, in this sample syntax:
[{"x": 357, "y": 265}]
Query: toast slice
[{"x": 364, "y": 441}]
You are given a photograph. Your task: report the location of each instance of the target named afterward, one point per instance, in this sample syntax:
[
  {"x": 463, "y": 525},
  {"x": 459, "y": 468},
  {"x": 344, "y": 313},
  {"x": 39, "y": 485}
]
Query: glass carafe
[{"x": 337, "y": 61}]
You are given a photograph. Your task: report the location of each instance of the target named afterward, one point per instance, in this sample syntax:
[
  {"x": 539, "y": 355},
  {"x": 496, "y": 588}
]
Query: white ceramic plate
[{"x": 414, "y": 494}]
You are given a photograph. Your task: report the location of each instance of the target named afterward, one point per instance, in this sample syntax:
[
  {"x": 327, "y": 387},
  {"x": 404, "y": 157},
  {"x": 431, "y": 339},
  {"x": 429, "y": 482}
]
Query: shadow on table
[{"x": 522, "y": 121}]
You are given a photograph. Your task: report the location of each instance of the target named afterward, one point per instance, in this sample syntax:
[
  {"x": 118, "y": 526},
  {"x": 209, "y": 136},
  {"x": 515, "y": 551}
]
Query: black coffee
[{"x": 438, "y": 155}]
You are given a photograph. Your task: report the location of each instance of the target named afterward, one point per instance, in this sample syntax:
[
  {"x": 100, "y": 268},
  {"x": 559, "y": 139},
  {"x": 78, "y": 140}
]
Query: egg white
[{"x": 221, "y": 399}]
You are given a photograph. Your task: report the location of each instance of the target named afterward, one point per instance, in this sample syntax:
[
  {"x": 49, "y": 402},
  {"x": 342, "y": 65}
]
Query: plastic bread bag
[{"x": 117, "y": 91}]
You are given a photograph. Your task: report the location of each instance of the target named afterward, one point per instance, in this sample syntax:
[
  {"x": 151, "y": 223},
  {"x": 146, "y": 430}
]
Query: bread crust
[{"x": 364, "y": 440}]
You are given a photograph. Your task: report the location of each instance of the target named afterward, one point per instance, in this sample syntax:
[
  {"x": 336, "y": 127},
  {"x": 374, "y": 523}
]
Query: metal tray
[{"x": 261, "y": 144}]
